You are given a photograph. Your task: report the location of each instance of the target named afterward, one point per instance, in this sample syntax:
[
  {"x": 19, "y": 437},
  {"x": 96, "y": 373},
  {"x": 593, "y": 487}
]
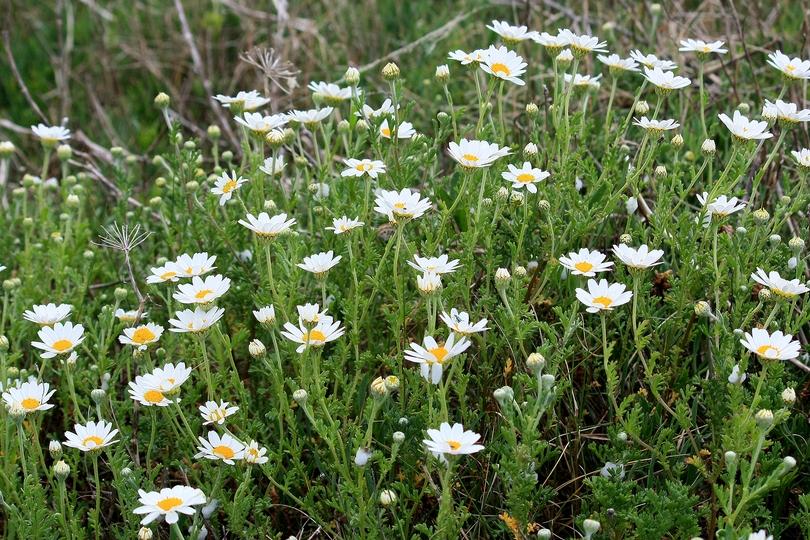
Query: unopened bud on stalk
[
  {"x": 520, "y": 271},
  {"x": 257, "y": 349},
  {"x": 352, "y": 76},
  {"x": 192, "y": 186},
  {"x": 227, "y": 156},
  {"x": 214, "y": 132},
  {"x": 655, "y": 9},
  {"x": 162, "y": 100},
  {"x": 788, "y": 462},
  {"x": 565, "y": 58},
  {"x": 744, "y": 108},
  {"x": 120, "y": 293},
  {"x": 3, "y": 343},
  {"x": 274, "y": 138},
  {"x": 591, "y": 526},
  {"x": 764, "y": 419},
  {"x": 144, "y": 534},
  {"x": 6, "y": 149},
  {"x": 98, "y": 396},
  {"x": 543, "y": 205},
  {"x": 775, "y": 239},
  {"x": 61, "y": 470},
  {"x": 548, "y": 381},
  {"x": 378, "y": 388},
  {"x": 361, "y": 126},
  {"x": 72, "y": 200},
  {"x": 530, "y": 150},
  {"x": 388, "y": 497},
  {"x": 64, "y": 152},
  {"x": 390, "y": 72},
  {"x": 536, "y": 362},
  {"x": 532, "y": 110},
  {"x": 126, "y": 472},
  {"x": 442, "y": 74},
  {"x": 789, "y": 396},
  {"x": 709, "y": 148},
  {"x": 544, "y": 534},
  {"x": 398, "y": 437},
  {"x": 660, "y": 172},
  {"x": 502, "y": 194},
  {"x": 300, "y": 396},
  {"x": 796, "y": 244},
  {"x": 761, "y": 216},
  {"x": 677, "y": 140},
  {"x": 764, "y": 294},
  {"x": 642, "y": 107},
  {"x": 516, "y": 198},
  {"x": 504, "y": 395},
  {"x": 502, "y": 277}
]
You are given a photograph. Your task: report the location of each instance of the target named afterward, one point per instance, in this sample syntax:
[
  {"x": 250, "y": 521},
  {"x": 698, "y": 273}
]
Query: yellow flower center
[
  {"x": 169, "y": 503},
  {"x": 314, "y": 335},
  {"x": 440, "y": 353},
  {"x": 92, "y": 441},
  {"x": 399, "y": 206},
  {"x": 603, "y": 300},
  {"x": 790, "y": 67},
  {"x": 153, "y": 396},
  {"x": 29, "y": 403},
  {"x": 62, "y": 345},
  {"x": 525, "y": 178},
  {"x": 225, "y": 452},
  {"x": 470, "y": 157},
  {"x": 363, "y": 167},
  {"x": 454, "y": 445},
  {"x": 167, "y": 275},
  {"x": 253, "y": 452},
  {"x": 202, "y": 294},
  {"x": 386, "y": 132},
  {"x": 229, "y": 186},
  {"x": 143, "y": 335},
  {"x": 583, "y": 266},
  {"x": 767, "y": 350},
  {"x": 500, "y": 69}
]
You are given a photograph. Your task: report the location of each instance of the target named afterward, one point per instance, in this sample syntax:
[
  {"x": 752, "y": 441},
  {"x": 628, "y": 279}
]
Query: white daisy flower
[
  {"x": 583, "y": 81},
  {"x": 429, "y": 282},
  {"x": 586, "y": 262},
  {"x": 194, "y": 265},
  {"x": 433, "y": 356},
  {"x": 360, "y": 167},
  {"x": 435, "y": 265},
  {"x": 467, "y": 58},
  {"x": 162, "y": 274},
  {"x": 91, "y": 436},
  {"x": 702, "y": 47},
  {"x": 504, "y": 64},
  {"x": 792, "y": 68},
  {"x": 142, "y": 336},
  {"x": 453, "y": 440},
  {"x": 459, "y": 323},
  {"x": 261, "y": 124},
  {"x": 245, "y": 101},
  {"x": 201, "y": 291},
  {"x": 310, "y": 313},
  {"x": 311, "y": 116},
  {"x": 656, "y": 127},
  {"x": 405, "y": 130},
  {"x": 617, "y": 63},
  {"x": 526, "y": 176},
  {"x": 325, "y": 331},
  {"x": 651, "y": 61},
  {"x": 744, "y": 129},
  {"x": 255, "y": 454},
  {"x": 143, "y": 390},
  {"x": 779, "y": 285},
  {"x": 552, "y": 43},
  {"x": 225, "y": 185},
  {"x": 320, "y": 263},
  {"x": 511, "y": 34},
  {"x": 761, "y": 534},
  {"x": 776, "y": 346},
  {"x": 267, "y": 227},
  {"x": 329, "y": 92},
  {"x": 643, "y": 257},
  {"x": 785, "y": 112},
  {"x": 722, "y": 206},
  {"x": 51, "y": 135},
  {"x": 583, "y": 44},
  {"x": 344, "y": 224},
  {"x": 61, "y": 338},
  {"x": 368, "y": 112},
  {"x": 265, "y": 315},
  {"x": 30, "y": 396},
  {"x": 802, "y": 157},
  {"x": 603, "y": 296},
  {"x": 196, "y": 321},
  {"x": 665, "y": 80},
  {"x": 169, "y": 378},
  {"x": 272, "y": 167},
  {"x": 220, "y": 447},
  {"x": 47, "y": 314},
  {"x": 405, "y": 204},
  {"x": 473, "y": 153},
  {"x": 128, "y": 316},
  {"x": 216, "y": 413},
  {"x": 168, "y": 502},
  {"x": 736, "y": 377}
]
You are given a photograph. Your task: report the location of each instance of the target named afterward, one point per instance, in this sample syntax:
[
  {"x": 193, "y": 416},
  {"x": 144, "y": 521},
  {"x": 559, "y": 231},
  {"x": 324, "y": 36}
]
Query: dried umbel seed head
[
  {"x": 520, "y": 271},
  {"x": 390, "y": 72},
  {"x": 764, "y": 419},
  {"x": 677, "y": 140}
]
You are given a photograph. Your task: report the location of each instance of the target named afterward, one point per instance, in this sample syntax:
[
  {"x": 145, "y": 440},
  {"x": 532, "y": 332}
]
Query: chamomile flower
[
  {"x": 721, "y": 207},
  {"x": 437, "y": 265},
  {"x": 261, "y": 124},
  {"x": 330, "y": 93},
  {"x": 665, "y": 80},
  {"x": 320, "y": 263},
  {"x": 61, "y": 338},
  {"x": 431, "y": 357},
  {"x": 213, "y": 412},
  {"x": 311, "y": 116},
  {"x": 583, "y": 44},
  {"x": 344, "y": 224},
  {"x": 583, "y": 81},
  {"x": 638, "y": 258},
  {"x": 51, "y": 135},
  {"x": 267, "y": 227},
  {"x": 168, "y": 378},
  {"x": 30, "y": 396},
  {"x": 472, "y": 154},
  {"x": 586, "y": 262},
  {"x": 265, "y": 315},
  {"x": 744, "y": 129},
  {"x": 91, "y": 436},
  {"x": 225, "y": 185},
  {"x": 453, "y": 440},
  {"x": 553, "y": 44},
  {"x": 255, "y": 454},
  {"x": 143, "y": 390},
  {"x": 656, "y": 127},
  {"x": 194, "y": 265},
  {"x": 511, "y": 34},
  {"x": 47, "y": 314},
  {"x": 220, "y": 447},
  {"x": 196, "y": 321},
  {"x": 465, "y": 58},
  {"x": 128, "y": 316},
  {"x": 791, "y": 68},
  {"x": 786, "y": 112},
  {"x": 459, "y": 323},
  {"x": 272, "y": 167},
  {"x": 702, "y": 48},
  {"x": 429, "y": 282},
  {"x": 141, "y": 336},
  {"x": 360, "y": 167},
  {"x": 202, "y": 291},
  {"x": 525, "y": 176},
  {"x": 776, "y": 346},
  {"x": 310, "y": 313},
  {"x": 369, "y": 112},
  {"x": 616, "y": 63},
  {"x": 504, "y": 64},
  {"x": 401, "y": 205},
  {"x": 162, "y": 274},
  {"x": 802, "y": 157},
  {"x": 603, "y": 296},
  {"x": 325, "y": 330},
  {"x": 245, "y": 101},
  {"x": 761, "y": 534},
  {"x": 651, "y": 61},
  {"x": 779, "y": 285},
  {"x": 405, "y": 130},
  {"x": 168, "y": 502}
]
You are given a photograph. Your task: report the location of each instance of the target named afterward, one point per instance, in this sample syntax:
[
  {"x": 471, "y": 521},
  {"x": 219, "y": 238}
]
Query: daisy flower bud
[
  {"x": 502, "y": 194},
  {"x": 486, "y": 202},
  {"x": 144, "y": 533},
  {"x": 16, "y": 413},
  {"x": 764, "y": 419},
  {"x": 504, "y": 395},
  {"x": 591, "y": 526},
  {"x": 730, "y": 457},
  {"x": 213, "y": 132},
  {"x": 3, "y": 344},
  {"x": 625, "y": 239},
  {"x": 227, "y": 156},
  {"x": 530, "y": 150},
  {"x": 362, "y": 456},
  {"x": 162, "y": 100},
  {"x": 257, "y": 349},
  {"x": 622, "y": 436},
  {"x": 192, "y": 186},
  {"x": 761, "y": 216},
  {"x": 352, "y": 76},
  {"x": 660, "y": 172},
  {"x": 536, "y": 362},
  {"x": 6, "y": 149},
  {"x": 442, "y": 74},
  {"x": 642, "y": 107},
  {"x": 548, "y": 381},
  {"x": 789, "y": 462},
  {"x": 789, "y": 396},
  {"x": 516, "y": 198},
  {"x": 300, "y": 396},
  {"x": 392, "y": 383},
  {"x": 120, "y": 293},
  {"x": 796, "y": 244},
  {"x": 520, "y": 271},
  {"x": 55, "y": 449},
  {"x": 677, "y": 140},
  {"x": 361, "y": 126},
  {"x": 126, "y": 472},
  {"x": 543, "y": 205},
  {"x": 61, "y": 470},
  {"x": 72, "y": 200},
  {"x": 98, "y": 396},
  {"x": 502, "y": 277},
  {"x": 64, "y": 152},
  {"x": 387, "y": 497},
  {"x": 703, "y": 309},
  {"x": 442, "y": 117},
  {"x": 398, "y": 437},
  {"x": 274, "y": 138},
  {"x": 655, "y": 9},
  {"x": 532, "y": 110},
  {"x": 765, "y": 294},
  {"x": 154, "y": 202},
  {"x": 709, "y": 148},
  {"x": 544, "y": 534},
  {"x": 744, "y": 108},
  {"x": 784, "y": 200},
  {"x": 565, "y": 58},
  {"x": 775, "y": 239},
  {"x": 390, "y": 72},
  {"x": 378, "y": 388}
]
